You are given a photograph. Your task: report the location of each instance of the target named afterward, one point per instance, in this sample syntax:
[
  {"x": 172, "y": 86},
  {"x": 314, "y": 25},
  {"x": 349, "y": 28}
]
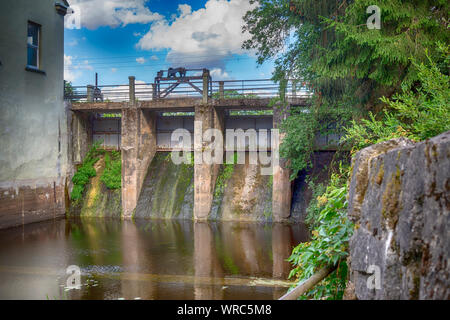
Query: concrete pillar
[
  {"x": 221, "y": 90},
  {"x": 282, "y": 191},
  {"x": 129, "y": 146},
  {"x": 203, "y": 173},
  {"x": 81, "y": 133},
  {"x": 205, "y": 85},
  {"x": 90, "y": 93},
  {"x": 147, "y": 143},
  {"x": 138, "y": 149},
  {"x": 219, "y": 124},
  {"x": 132, "y": 89}
]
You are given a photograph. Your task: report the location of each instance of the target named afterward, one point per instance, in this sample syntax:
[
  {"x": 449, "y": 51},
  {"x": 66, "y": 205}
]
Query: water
[{"x": 146, "y": 259}]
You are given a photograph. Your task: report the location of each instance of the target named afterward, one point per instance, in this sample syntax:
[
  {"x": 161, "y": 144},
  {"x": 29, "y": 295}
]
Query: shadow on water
[{"x": 147, "y": 259}]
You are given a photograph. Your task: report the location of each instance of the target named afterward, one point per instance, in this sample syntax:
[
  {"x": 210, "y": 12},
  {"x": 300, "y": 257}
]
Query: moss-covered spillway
[
  {"x": 241, "y": 192},
  {"x": 168, "y": 190}
]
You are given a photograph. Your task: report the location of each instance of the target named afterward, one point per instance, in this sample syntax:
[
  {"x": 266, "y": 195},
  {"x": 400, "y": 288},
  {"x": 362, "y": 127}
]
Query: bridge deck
[{"x": 183, "y": 104}]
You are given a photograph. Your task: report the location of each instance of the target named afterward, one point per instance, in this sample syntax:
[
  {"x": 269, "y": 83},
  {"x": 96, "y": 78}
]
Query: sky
[{"x": 121, "y": 38}]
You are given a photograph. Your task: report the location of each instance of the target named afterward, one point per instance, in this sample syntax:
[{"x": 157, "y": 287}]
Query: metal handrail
[{"x": 144, "y": 91}]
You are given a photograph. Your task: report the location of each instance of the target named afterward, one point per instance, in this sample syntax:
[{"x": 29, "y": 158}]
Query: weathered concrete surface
[
  {"x": 399, "y": 201},
  {"x": 167, "y": 191},
  {"x": 81, "y": 136},
  {"x": 138, "y": 149},
  {"x": 203, "y": 172},
  {"x": 219, "y": 124},
  {"x": 99, "y": 106},
  {"x": 245, "y": 195},
  {"x": 29, "y": 201},
  {"x": 186, "y": 104},
  {"x": 282, "y": 186},
  {"x": 33, "y": 126}
]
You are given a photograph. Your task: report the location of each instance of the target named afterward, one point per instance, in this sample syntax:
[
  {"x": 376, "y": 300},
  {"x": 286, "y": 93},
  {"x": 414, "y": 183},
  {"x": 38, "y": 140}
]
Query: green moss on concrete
[
  {"x": 166, "y": 189},
  {"x": 242, "y": 194}
]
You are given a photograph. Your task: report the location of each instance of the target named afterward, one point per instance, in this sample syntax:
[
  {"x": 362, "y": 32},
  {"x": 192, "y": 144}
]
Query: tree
[
  {"x": 69, "y": 91},
  {"x": 349, "y": 67}
]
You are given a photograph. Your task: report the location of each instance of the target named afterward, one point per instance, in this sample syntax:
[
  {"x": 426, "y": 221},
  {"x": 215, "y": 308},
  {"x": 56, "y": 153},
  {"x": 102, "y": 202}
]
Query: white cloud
[
  {"x": 184, "y": 9},
  {"x": 140, "y": 60},
  {"x": 73, "y": 71},
  {"x": 219, "y": 74},
  {"x": 200, "y": 38},
  {"x": 154, "y": 58},
  {"x": 113, "y": 13},
  {"x": 69, "y": 75},
  {"x": 113, "y": 70}
]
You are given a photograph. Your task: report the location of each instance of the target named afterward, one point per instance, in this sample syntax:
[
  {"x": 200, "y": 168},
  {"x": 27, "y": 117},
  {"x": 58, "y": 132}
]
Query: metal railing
[{"x": 227, "y": 89}]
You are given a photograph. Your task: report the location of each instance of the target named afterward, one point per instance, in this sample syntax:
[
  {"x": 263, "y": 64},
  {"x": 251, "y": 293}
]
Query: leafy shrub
[
  {"x": 315, "y": 205},
  {"x": 85, "y": 172},
  {"x": 77, "y": 192},
  {"x": 416, "y": 113},
  {"x": 329, "y": 243},
  {"x": 112, "y": 175}
]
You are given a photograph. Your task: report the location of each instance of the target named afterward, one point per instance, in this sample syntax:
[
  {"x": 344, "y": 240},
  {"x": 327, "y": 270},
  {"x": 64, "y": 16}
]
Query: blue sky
[{"x": 119, "y": 38}]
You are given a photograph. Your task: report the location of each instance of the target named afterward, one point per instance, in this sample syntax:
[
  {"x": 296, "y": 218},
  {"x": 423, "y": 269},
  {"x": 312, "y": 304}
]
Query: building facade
[{"x": 33, "y": 125}]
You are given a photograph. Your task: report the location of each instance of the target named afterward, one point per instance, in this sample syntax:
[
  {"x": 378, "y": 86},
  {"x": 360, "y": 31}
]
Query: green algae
[{"x": 168, "y": 189}]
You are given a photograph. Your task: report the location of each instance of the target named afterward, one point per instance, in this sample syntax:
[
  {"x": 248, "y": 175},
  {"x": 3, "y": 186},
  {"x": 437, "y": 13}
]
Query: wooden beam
[{"x": 307, "y": 285}]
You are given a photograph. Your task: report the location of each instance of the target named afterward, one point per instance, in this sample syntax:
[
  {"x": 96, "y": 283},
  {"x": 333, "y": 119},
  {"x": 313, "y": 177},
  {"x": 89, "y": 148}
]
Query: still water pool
[{"x": 147, "y": 260}]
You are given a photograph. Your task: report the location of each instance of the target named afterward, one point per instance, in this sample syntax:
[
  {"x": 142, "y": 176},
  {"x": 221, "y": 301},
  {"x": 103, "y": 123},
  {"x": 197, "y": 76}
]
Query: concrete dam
[{"x": 142, "y": 127}]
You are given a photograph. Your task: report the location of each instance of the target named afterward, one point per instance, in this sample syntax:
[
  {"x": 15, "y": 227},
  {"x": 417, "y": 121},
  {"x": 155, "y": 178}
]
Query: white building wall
[{"x": 33, "y": 125}]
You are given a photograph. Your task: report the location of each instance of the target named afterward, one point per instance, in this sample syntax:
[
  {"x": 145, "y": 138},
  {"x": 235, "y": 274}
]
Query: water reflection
[{"x": 147, "y": 259}]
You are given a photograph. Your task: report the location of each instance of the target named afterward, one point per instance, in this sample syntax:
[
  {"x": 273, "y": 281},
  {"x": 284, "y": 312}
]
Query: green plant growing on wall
[
  {"x": 316, "y": 204},
  {"x": 112, "y": 175},
  {"x": 85, "y": 172},
  {"x": 329, "y": 244}
]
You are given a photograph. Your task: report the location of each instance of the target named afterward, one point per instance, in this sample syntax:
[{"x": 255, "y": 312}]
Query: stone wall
[{"x": 399, "y": 200}]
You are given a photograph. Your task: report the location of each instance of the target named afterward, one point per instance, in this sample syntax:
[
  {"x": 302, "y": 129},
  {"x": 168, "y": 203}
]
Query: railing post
[
  {"x": 132, "y": 88},
  {"x": 90, "y": 93},
  {"x": 205, "y": 85},
  {"x": 221, "y": 90}
]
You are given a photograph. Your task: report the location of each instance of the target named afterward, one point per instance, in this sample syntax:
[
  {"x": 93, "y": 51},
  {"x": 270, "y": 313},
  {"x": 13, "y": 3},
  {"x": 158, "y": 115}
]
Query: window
[{"x": 34, "y": 31}]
